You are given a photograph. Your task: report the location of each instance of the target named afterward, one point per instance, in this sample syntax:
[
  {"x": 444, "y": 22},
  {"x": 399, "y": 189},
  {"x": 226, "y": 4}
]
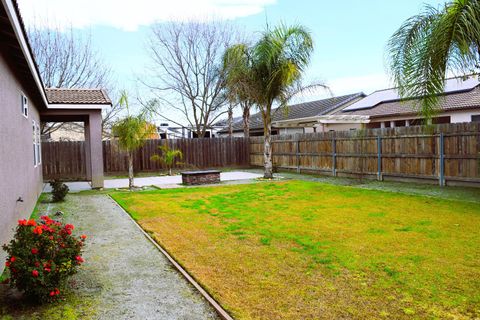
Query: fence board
[
  {"x": 408, "y": 152},
  {"x": 66, "y": 160}
]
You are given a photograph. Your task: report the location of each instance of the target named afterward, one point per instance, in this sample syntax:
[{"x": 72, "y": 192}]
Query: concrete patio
[{"x": 160, "y": 182}]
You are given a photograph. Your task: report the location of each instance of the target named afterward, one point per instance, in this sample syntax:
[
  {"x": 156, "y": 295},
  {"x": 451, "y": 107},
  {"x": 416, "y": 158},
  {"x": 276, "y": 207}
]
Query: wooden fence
[
  {"x": 447, "y": 153},
  {"x": 66, "y": 160}
]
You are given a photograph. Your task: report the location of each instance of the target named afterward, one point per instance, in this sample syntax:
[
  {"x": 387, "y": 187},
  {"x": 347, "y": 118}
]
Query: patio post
[{"x": 94, "y": 149}]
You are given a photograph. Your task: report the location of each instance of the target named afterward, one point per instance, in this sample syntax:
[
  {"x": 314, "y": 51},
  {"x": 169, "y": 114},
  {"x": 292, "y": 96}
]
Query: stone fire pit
[{"x": 200, "y": 177}]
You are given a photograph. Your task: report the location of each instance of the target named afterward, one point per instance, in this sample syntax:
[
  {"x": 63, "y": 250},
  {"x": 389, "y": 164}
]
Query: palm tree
[
  {"x": 237, "y": 69},
  {"x": 433, "y": 44},
  {"x": 271, "y": 74},
  {"x": 132, "y": 131},
  {"x": 168, "y": 156}
]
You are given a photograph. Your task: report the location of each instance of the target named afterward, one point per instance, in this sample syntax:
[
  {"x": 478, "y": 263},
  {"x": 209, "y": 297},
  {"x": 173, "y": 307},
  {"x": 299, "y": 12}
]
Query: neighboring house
[
  {"x": 384, "y": 108},
  {"x": 166, "y": 132},
  {"x": 69, "y": 131},
  {"x": 25, "y": 104},
  {"x": 298, "y": 118}
]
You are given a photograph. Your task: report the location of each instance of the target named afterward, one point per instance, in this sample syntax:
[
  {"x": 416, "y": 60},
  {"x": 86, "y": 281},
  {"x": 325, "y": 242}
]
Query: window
[
  {"x": 24, "y": 104},
  {"x": 39, "y": 146},
  {"x": 476, "y": 118},
  {"x": 37, "y": 157},
  {"x": 34, "y": 136}
]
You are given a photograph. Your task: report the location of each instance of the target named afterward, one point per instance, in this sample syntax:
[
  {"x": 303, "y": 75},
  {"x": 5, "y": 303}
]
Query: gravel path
[{"x": 128, "y": 276}]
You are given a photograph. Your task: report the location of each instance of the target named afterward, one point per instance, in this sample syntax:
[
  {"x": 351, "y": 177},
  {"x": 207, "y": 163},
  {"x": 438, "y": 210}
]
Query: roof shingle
[
  {"x": 297, "y": 111},
  {"x": 447, "y": 102},
  {"x": 77, "y": 96}
]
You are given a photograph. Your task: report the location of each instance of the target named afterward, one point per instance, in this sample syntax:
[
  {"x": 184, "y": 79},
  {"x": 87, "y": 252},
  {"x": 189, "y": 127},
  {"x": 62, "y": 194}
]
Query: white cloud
[{"x": 129, "y": 15}]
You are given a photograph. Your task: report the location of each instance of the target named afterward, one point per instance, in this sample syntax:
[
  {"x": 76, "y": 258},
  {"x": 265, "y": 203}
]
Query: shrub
[
  {"x": 41, "y": 257},
  {"x": 59, "y": 190}
]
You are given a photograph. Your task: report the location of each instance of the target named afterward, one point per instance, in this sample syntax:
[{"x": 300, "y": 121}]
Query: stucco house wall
[{"x": 20, "y": 178}]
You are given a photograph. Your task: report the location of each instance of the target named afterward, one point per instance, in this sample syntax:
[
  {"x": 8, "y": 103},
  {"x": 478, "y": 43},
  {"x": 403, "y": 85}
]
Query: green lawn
[{"x": 300, "y": 249}]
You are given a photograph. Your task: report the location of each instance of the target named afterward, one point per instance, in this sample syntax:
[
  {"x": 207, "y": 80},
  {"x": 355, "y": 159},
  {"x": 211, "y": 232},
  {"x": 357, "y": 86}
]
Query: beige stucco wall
[
  {"x": 455, "y": 116},
  {"x": 339, "y": 127},
  {"x": 18, "y": 176}
]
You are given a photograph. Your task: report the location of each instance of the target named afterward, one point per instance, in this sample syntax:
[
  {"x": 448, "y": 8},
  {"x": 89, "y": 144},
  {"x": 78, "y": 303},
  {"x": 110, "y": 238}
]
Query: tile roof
[
  {"x": 448, "y": 102},
  {"x": 77, "y": 96},
  {"x": 296, "y": 111}
]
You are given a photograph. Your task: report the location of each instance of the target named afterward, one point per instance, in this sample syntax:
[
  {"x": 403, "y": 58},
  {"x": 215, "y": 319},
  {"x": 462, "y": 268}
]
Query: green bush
[
  {"x": 41, "y": 257},
  {"x": 59, "y": 190}
]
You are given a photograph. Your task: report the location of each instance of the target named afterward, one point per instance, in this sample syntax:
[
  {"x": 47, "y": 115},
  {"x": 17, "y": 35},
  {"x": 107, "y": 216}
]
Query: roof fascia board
[
  {"x": 12, "y": 15},
  {"x": 78, "y": 106}
]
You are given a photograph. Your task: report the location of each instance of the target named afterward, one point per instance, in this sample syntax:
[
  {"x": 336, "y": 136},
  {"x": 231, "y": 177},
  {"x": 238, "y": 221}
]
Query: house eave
[
  {"x": 19, "y": 33},
  {"x": 312, "y": 121}
]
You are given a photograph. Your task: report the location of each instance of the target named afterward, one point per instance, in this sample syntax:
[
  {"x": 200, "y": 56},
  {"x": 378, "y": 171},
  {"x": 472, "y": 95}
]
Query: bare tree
[
  {"x": 68, "y": 60},
  {"x": 186, "y": 71}
]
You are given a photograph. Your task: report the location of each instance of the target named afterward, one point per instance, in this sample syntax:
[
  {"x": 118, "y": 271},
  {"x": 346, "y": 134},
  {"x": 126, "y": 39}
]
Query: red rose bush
[{"x": 41, "y": 257}]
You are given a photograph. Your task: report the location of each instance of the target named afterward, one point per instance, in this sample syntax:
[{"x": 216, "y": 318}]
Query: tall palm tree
[
  {"x": 237, "y": 70},
  {"x": 132, "y": 132},
  {"x": 433, "y": 44},
  {"x": 271, "y": 73}
]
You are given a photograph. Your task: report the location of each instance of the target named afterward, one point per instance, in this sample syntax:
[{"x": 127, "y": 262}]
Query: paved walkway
[{"x": 161, "y": 182}]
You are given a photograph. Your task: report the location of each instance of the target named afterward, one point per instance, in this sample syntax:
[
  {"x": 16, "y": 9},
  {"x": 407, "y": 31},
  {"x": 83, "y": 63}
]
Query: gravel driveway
[{"x": 124, "y": 273}]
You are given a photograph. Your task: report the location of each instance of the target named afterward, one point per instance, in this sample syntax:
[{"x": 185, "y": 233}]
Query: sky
[{"x": 350, "y": 36}]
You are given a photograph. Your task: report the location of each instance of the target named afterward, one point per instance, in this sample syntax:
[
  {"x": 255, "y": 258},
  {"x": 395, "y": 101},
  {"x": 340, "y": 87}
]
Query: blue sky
[{"x": 350, "y": 35}]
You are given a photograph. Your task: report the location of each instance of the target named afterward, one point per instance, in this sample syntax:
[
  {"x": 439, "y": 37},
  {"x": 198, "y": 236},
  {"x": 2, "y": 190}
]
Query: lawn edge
[{"x": 215, "y": 305}]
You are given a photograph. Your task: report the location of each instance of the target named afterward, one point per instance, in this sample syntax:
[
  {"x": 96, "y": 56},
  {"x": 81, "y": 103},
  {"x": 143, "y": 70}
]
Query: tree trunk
[
  {"x": 130, "y": 170},
  {"x": 230, "y": 121},
  {"x": 267, "y": 148},
  {"x": 246, "y": 120},
  {"x": 169, "y": 171}
]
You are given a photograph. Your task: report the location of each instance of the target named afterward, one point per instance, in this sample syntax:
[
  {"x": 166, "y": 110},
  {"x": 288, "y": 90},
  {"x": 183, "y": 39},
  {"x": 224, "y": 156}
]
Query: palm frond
[{"x": 431, "y": 45}]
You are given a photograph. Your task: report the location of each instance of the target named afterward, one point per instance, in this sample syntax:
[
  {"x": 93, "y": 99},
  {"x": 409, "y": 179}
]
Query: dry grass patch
[{"x": 297, "y": 249}]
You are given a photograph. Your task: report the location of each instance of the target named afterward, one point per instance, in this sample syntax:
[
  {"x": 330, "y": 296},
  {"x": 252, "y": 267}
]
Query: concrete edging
[{"x": 218, "y": 308}]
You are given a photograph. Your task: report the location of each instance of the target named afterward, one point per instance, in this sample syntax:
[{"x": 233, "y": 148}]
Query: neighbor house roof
[
  {"x": 459, "y": 94},
  {"x": 77, "y": 96},
  {"x": 297, "y": 111}
]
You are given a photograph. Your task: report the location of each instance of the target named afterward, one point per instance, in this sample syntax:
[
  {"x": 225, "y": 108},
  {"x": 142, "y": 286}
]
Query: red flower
[
  {"x": 38, "y": 230},
  {"x": 22, "y": 222},
  {"x": 51, "y": 237},
  {"x": 34, "y": 250},
  {"x": 57, "y": 291},
  {"x": 35, "y": 273},
  {"x": 47, "y": 269},
  {"x": 31, "y": 222},
  {"x": 7, "y": 264},
  {"x": 69, "y": 226},
  {"x": 52, "y": 293},
  {"x": 79, "y": 259},
  {"x": 37, "y": 264},
  {"x": 12, "y": 259},
  {"x": 83, "y": 237}
]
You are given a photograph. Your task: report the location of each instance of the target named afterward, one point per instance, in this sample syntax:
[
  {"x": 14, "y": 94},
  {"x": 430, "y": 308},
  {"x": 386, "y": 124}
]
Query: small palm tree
[
  {"x": 432, "y": 44},
  {"x": 270, "y": 73},
  {"x": 168, "y": 157},
  {"x": 132, "y": 132}
]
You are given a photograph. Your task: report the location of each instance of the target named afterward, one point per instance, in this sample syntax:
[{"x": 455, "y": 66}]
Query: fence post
[
  {"x": 298, "y": 152},
  {"x": 441, "y": 180},
  {"x": 334, "y": 157},
  {"x": 379, "y": 158}
]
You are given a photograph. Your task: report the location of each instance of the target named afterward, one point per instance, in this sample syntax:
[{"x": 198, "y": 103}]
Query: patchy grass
[{"x": 301, "y": 249}]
